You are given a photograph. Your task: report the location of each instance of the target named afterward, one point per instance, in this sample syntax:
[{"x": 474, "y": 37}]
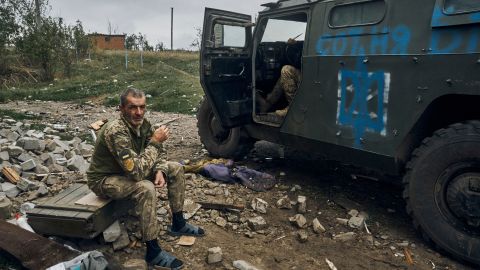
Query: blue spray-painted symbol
[{"x": 362, "y": 99}]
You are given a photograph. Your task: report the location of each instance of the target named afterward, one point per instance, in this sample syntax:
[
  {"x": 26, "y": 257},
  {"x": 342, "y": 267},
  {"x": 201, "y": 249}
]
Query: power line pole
[
  {"x": 171, "y": 30},
  {"x": 37, "y": 12}
]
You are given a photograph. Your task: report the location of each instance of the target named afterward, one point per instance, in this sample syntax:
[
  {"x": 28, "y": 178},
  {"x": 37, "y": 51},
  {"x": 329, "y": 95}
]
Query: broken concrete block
[
  {"x": 28, "y": 165},
  {"x": 55, "y": 168},
  {"x": 50, "y": 145},
  {"x": 63, "y": 145},
  {"x": 24, "y": 157},
  {"x": 302, "y": 236},
  {"x": 123, "y": 241},
  {"x": 353, "y": 213},
  {"x": 243, "y": 265},
  {"x": 47, "y": 158},
  {"x": 26, "y": 185},
  {"x": 12, "y": 136},
  {"x": 10, "y": 189},
  {"x": 69, "y": 154},
  {"x": 77, "y": 163},
  {"x": 5, "y": 206},
  {"x": 85, "y": 149},
  {"x": 4, "y": 156},
  {"x": 302, "y": 204},
  {"x": 298, "y": 220},
  {"x": 344, "y": 236},
  {"x": 342, "y": 221},
  {"x": 31, "y": 144},
  {"x": 220, "y": 221},
  {"x": 112, "y": 233},
  {"x": 28, "y": 175},
  {"x": 317, "y": 226},
  {"x": 40, "y": 169},
  {"x": 61, "y": 161},
  {"x": 284, "y": 203},
  {"x": 190, "y": 208},
  {"x": 51, "y": 180},
  {"x": 14, "y": 151},
  {"x": 356, "y": 222},
  {"x": 214, "y": 255},
  {"x": 257, "y": 223},
  {"x": 259, "y": 205}
]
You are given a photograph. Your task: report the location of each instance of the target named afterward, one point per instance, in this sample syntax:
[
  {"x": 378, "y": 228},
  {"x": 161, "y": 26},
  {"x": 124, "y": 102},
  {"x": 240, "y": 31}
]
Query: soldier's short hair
[{"x": 134, "y": 92}]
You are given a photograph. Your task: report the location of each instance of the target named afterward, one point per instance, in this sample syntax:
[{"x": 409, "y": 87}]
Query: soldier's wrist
[{"x": 156, "y": 144}]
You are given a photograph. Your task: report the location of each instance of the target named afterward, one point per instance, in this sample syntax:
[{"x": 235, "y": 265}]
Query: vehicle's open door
[{"x": 225, "y": 65}]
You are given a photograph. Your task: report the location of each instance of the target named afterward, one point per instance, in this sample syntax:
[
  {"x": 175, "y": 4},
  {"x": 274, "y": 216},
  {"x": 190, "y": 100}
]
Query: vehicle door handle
[{"x": 233, "y": 75}]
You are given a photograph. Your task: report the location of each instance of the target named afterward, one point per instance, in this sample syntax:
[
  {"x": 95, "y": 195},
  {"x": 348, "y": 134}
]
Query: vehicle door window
[
  {"x": 282, "y": 30},
  {"x": 356, "y": 14},
  {"x": 229, "y": 36},
  {"x": 460, "y": 6}
]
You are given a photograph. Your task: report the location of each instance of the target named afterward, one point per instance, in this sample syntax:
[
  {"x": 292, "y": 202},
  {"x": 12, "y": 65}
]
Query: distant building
[{"x": 107, "y": 42}]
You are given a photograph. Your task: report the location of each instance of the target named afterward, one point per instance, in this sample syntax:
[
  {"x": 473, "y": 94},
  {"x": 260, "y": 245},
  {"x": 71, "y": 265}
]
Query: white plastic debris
[{"x": 330, "y": 264}]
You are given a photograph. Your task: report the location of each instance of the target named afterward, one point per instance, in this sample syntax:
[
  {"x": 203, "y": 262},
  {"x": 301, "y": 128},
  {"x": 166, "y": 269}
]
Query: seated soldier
[{"x": 127, "y": 163}]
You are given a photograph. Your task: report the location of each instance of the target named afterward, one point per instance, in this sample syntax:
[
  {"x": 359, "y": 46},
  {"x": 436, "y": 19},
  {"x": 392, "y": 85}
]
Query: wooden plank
[
  {"x": 74, "y": 196},
  {"x": 220, "y": 205},
  {"x": 91, "y": 199},
  {"x": 63, "y": 194},
  {"x": 11, "y": 175}
]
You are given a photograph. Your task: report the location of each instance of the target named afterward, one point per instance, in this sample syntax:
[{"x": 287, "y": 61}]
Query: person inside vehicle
[
  {"x": 127, "y": 164},
  {"x": 286, "y": 85}
]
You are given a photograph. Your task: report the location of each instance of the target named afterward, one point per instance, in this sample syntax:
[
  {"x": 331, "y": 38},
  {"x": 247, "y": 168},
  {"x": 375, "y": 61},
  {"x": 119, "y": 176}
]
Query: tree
[
  {"x": 197, "y": 42},
  {"x": 159, "y": 47},
  {"x": 131, "y": 42},
  {"x": 81, "y": 41}
]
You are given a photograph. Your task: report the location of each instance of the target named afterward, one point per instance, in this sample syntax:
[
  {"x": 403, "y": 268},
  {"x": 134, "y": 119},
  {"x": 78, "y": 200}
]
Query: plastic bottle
[{"x": 22, "y": 222}]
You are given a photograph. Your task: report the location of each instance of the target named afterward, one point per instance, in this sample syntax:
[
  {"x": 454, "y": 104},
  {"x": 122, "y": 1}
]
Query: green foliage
[
  {"x": 171, "y": 78},
  {"x": 16, "y": 115}
]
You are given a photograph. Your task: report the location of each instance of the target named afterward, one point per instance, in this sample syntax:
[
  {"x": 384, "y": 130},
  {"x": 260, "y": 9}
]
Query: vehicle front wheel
[
  {"x": 220, "y": 141},
  {"x": 442, "y": 189}
]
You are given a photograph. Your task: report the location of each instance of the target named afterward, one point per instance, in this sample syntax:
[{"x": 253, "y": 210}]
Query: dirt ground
[{"x": 332, "y": 191}]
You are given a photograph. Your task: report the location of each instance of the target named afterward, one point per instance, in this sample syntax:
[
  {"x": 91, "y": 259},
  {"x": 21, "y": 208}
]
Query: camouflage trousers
[
  {"x": 287, "y": 84},
  {"x": 144, "y": 196}
]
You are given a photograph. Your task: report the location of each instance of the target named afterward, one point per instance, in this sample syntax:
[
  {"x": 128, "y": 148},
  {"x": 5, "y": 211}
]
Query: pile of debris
[{"x": 34, "y": 162}]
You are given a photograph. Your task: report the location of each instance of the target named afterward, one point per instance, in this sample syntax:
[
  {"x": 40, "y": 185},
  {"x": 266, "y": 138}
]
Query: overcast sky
[{"x": 151, "y": 17}]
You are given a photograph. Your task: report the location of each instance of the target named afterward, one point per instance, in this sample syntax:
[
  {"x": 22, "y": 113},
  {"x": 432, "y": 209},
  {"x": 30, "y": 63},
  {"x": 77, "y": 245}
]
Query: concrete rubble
[{"x": 214, "y": 255}]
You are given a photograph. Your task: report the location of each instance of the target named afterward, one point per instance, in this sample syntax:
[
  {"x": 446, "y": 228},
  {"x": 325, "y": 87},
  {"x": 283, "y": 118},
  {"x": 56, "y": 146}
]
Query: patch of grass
[
  {"x": 171, "y": 78},
  {"x": 16, "y": 115}
]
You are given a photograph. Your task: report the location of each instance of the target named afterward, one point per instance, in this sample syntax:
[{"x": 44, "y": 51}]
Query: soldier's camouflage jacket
[{"x": 121, "y": 149}]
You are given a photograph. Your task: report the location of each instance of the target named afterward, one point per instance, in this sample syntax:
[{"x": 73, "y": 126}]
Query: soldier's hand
[
  {"x": 160, "y": 134},
  {"x": 159, "y": 180}
]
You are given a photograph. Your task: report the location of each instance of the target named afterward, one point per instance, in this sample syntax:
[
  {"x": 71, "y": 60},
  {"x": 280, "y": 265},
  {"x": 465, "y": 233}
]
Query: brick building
[{"x": 107, "y": 42}]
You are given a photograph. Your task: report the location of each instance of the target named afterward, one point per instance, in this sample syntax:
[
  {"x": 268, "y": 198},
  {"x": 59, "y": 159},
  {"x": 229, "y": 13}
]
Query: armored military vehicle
[{"x": 385, "y": 84}]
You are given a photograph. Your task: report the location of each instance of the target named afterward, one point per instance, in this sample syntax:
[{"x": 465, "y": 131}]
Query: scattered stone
[
  {"x": 353, "y": 213},
  {"x": 317, "y": 226},
  {"x": 4, "y": 156},
  {"x": 344, "y": 236},
  {"x": 122, "y": 241},
  {"x": 10, "y": 189},
  {"x": 342, "y": 221},
  {"x": 51, "y": 180},
  {"x": 299, "y": 220},
  {"x": 31, "y": 144},
  {"x": 112, "y": 233},
  {"x": 5, "y": 206},
  {"x": 28, "y": 165},
  {"x": 77, "y": 163},
  {"x": 302, "y": 236},
  {"x": 14, "y": 151},
  {"x": 12, "y": 136},
  {"x": 40, "y": 169},
  {"x": 257, "y": 223},
  {"x": 214, "y": 255},
  {"x": 135, "y": 264},
  {"x": 259, "y": 205},
  {"x": 284, "y": 203},
  {"x": 243, "y": 265},
  {"x": 220, "y": 221},
  {"x": 26, "y": 185},
  {"x": 190, "y": 208},
  {"x": 356, "y": 222},
  {"x": 302, "y": 204},
  {"x": 24, "y": 157},
  {"x": 295, "y": 188}
]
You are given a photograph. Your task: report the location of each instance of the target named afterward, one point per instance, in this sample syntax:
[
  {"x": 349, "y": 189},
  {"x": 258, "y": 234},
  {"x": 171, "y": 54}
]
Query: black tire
[
  {"x": 442, "y": 182},
  {"x": 219, "y": 141}
]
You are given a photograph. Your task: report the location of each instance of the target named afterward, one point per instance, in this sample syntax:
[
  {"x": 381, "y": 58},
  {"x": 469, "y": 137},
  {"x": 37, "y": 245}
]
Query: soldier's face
[{"x": 134, "y": 110}]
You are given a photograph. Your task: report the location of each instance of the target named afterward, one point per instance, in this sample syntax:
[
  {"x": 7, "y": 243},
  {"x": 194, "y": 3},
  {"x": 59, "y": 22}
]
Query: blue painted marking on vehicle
[
  {"x": 362, "y": 84},
  {"x": 349, "y": 42},
  {"x": 450, "y": 39},
  {"x": 475, "y": 17}
]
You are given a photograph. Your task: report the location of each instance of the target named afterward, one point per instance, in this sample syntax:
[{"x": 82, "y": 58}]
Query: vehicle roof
[{"x": 281, "y": 4}]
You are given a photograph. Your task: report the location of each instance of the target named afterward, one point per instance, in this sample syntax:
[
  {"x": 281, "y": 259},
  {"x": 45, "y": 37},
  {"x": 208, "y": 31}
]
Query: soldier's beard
[{"x": 134, "y": 121}]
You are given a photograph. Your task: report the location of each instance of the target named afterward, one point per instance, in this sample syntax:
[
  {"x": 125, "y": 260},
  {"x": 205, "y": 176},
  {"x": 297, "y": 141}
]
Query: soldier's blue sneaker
[{"x": 188, "y": 230}]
